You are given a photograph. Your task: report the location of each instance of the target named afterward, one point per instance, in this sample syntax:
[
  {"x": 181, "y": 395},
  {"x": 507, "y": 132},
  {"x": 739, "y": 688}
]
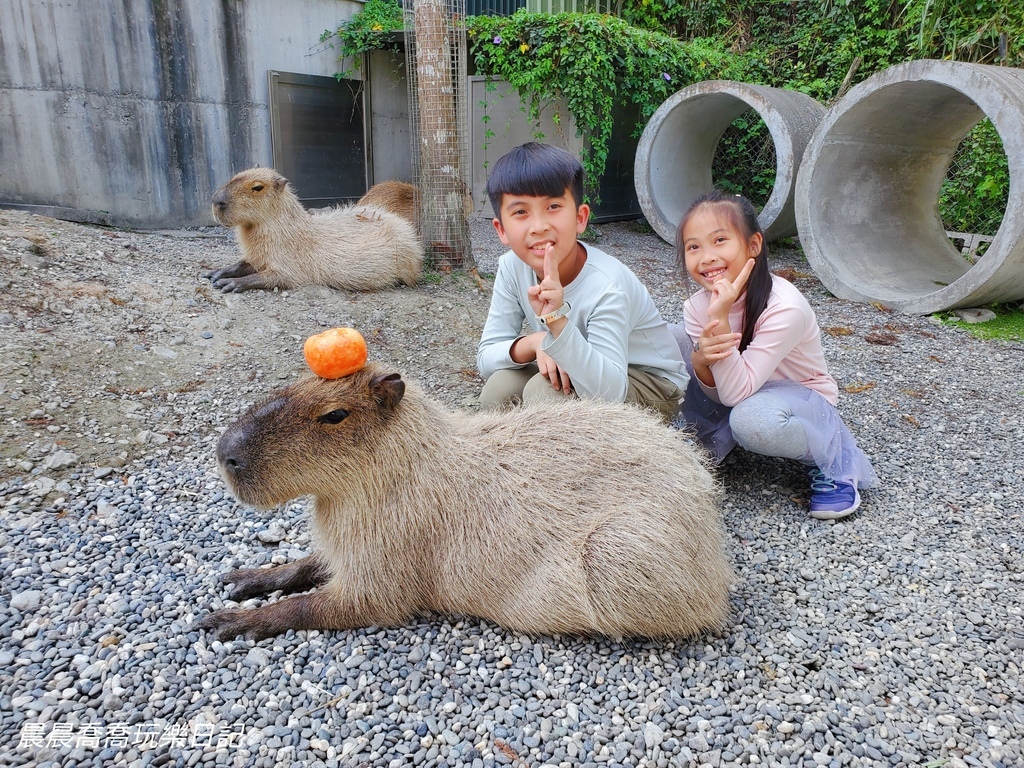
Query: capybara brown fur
[
  {"x": 395, "y": 196},
  {"x": 579, "y": 517},
  {"x": 283, "y": 245}
]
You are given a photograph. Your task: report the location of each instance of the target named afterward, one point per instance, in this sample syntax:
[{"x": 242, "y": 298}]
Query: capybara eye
[
  {"x": 334, "y": 417},
  {"x": 257, "y": 188}
]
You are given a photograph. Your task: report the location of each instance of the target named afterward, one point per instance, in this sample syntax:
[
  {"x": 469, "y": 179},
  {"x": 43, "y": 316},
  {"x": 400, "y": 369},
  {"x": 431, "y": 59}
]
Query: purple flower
[
  {"x": 667, "y": 76},
  {"x": 497, "y": 39}
]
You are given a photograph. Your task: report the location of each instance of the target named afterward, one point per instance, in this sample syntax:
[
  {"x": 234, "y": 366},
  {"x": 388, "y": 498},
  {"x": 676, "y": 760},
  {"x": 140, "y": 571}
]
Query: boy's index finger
[{"x": 550, "y": 270}]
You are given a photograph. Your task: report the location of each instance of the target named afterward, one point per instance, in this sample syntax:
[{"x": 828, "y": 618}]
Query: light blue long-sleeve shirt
[{"x": 613, "y": 324}]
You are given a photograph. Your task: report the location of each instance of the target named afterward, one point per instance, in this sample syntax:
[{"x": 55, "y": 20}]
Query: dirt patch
[{"x": 112, "y": 345}]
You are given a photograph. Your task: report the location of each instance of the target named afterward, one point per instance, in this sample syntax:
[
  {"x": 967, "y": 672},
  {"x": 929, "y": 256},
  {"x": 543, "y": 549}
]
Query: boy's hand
[
  {"x": 549, "y": 295},
  {"x": 724, "y": 293},
  {"x": 550, "y": 370}
]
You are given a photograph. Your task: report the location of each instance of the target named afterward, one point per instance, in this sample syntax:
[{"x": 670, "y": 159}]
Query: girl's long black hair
[{"x": 741, "y": 214}]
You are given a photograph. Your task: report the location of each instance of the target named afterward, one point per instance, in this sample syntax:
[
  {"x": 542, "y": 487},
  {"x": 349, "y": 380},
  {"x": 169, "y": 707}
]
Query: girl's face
[{"x": 714, "y": 249}]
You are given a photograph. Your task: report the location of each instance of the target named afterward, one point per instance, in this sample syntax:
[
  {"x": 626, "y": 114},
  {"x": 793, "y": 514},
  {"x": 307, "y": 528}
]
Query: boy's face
[{"x": 528, "y": 225}]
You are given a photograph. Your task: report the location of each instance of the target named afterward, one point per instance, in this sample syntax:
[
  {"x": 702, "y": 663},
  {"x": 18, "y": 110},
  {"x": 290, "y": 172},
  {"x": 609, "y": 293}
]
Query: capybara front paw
[
  {"x": 248, "y": 583},
  {"x": 229, "y": 284},
  {"x": 229, "y": 624}
]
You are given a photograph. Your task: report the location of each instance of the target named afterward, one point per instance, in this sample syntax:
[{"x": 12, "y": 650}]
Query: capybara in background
[
  {"x": 395, "y": 196},
  {"x": 580, "y": 517},
  {"x": 284, "y": 246}
]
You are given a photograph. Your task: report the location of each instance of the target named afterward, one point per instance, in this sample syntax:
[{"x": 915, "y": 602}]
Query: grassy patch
[
  {"x": 1008, "y": 324},
  {"x": 430, "y": 276}
]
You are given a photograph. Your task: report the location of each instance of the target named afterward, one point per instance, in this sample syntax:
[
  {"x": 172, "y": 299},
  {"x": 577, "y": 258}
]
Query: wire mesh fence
[
  {"x": 437, "y": 82},
  {"x": 975, "y": 192},
  {"x": 744, "y": 161},
  {"x": 972, "y": 200}
]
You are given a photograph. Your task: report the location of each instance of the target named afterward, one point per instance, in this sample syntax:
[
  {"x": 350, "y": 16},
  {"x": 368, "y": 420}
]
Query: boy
[{"x": 596, "y": 332}]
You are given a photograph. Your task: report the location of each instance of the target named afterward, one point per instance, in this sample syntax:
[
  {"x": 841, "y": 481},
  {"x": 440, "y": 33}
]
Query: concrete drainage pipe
[
  {"x": 673, "y": 158},
  {"x": 868, "y": 189}
]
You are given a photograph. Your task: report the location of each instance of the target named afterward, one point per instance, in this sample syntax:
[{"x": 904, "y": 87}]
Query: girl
[{"x": 753, "y": 347}]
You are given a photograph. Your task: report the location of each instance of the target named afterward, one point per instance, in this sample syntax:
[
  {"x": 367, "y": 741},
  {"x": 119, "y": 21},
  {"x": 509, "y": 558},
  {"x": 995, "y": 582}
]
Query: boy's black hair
[
  {"x": 743, "y": 216},
  {"x": 537, "y": 170}
]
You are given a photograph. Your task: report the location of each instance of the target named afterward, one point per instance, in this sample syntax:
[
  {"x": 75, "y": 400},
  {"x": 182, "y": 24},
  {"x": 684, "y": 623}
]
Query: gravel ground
[{"x": 893, "y": 638}]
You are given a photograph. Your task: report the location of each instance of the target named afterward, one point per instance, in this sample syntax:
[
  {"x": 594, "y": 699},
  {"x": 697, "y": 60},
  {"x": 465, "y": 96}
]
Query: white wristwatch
[{"x": 560, "y": 312}]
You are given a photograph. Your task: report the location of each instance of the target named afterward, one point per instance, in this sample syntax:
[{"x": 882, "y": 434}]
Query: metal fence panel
[
  {"x": 571, "y": 6},
  {"x": 508, "y": 7},
  {"x": 493, "y": 7}
]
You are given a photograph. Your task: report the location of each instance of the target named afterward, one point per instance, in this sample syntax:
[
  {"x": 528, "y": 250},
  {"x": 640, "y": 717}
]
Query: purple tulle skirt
[{"x": 831, "y": 445}]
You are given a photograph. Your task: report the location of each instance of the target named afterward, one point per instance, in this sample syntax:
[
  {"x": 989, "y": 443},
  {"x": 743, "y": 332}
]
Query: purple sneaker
[{"x": 831, "y": 500}]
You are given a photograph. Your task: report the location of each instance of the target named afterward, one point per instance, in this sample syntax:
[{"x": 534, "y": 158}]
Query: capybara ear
[
  {"x": 387, "y": 389},
  {"x": 280, "y": 181}
]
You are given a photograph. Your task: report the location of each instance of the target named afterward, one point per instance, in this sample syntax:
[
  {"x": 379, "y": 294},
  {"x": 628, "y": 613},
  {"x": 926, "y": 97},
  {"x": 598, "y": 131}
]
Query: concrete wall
[{"x": 133, "y": 112}]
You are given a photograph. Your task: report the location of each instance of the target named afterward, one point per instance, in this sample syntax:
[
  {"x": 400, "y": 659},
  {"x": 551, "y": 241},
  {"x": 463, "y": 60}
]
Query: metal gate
[{"x": 319, "y": 135}]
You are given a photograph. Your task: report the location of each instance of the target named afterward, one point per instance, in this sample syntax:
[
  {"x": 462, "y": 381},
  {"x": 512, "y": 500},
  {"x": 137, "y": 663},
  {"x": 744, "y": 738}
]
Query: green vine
[
  {"x": 598, "y": 63},
  {"x": 594, "y": 63},
  {"x": 369, "y": 30}
]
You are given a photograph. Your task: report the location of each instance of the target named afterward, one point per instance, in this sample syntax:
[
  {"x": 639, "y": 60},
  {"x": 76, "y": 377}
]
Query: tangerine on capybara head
[{"x": 335, "y": 353}]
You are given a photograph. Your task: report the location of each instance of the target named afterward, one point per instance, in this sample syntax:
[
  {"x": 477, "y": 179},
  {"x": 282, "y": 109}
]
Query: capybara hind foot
[
  {"x": 299, "y": 576},
  {"x": 255, "y": 281}
]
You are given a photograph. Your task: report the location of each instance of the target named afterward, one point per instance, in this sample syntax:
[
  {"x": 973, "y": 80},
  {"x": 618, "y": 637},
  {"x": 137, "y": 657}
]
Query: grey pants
[
  {"x": 525, "y": 385},
  {"x": 764, "y": 423}
]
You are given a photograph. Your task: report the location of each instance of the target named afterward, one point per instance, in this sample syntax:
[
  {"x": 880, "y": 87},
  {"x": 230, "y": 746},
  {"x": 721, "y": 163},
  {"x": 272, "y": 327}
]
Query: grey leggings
[{"x": 764, "y": 423}]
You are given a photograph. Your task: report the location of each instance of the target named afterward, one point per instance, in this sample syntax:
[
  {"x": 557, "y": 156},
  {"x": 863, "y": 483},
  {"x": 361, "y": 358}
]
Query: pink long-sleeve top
[{"x": 786, "y": 345}]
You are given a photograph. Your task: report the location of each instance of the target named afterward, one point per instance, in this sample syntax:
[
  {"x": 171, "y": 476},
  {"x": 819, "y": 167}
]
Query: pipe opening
[
  {"x": 744, "y": 159},
  {"x": 973, "y": 196}
]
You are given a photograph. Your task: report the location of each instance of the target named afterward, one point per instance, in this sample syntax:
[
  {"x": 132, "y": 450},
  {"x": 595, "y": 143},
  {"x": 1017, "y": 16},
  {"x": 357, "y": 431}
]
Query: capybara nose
[
  {"x": 233, "y": 465},
  {"x": 220, "y": 201},
  {"x": 230, "y": 455}
]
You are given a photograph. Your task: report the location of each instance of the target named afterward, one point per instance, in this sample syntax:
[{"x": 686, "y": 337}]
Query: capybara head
[
  {"x": 314, "y": 437},
  {"x": 249, "y": 198}
]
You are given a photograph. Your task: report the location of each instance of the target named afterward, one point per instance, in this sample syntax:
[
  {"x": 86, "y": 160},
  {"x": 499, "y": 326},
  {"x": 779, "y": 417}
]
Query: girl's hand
[
  {"x": 712, "y": 347},
  {"x": 550, "y": 370},
  {"x": 724, "y": 292}
]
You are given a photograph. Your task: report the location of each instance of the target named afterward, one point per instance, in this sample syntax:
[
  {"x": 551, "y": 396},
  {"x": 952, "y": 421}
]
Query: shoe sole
[{"x": 837, "y": 514}]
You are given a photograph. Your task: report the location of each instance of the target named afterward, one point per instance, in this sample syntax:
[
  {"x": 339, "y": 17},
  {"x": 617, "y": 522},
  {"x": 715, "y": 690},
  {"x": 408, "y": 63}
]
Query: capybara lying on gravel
[
  {"x": 578, "y": 517},
  {"x": 284, "y": 246}
]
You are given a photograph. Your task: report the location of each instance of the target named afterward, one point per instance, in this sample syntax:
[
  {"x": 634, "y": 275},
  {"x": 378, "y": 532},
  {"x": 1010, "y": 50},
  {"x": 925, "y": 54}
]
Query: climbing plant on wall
[
  {"x": 369, "y": 30},
  {"x": 592, "y": 62}
]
